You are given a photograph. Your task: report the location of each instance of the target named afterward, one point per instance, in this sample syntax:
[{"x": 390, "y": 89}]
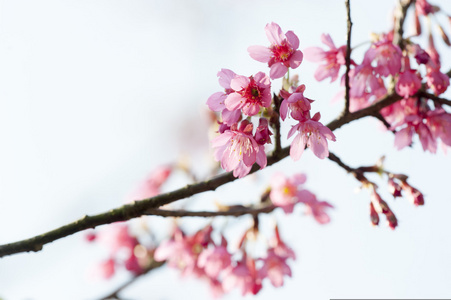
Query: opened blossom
[
  {"x": 243, "y": 276},
  {"x": 216, "y": 101},
  {"x": 249, "y": 94},
  {"x": 282, "y": 54},
  {"x": 312, "y": 134},
  {"x": 274, "y": 268},
  {"x": 285, "y": 191},
  {"x": 316, "y": 208},
  {"x": 298, "y": 105},
  {"x": 237, "y": 149},
  {"x": 332, "y": 59},
  {"x": 408, "y": 82},
  {"x": 385, "y": 55},
  {"x": 214, "y": 259}
]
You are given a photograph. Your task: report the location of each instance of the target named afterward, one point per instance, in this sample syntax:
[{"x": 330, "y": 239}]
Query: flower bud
[
  {"x": 394, "y": 188},
  {"x": 374, "y": 216}
]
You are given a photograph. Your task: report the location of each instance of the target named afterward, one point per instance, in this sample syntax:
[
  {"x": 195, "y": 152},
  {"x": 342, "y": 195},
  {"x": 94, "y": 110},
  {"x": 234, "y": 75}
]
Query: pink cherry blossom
[
  {"x": 182, "y": 251},
  {"x": 363, "y": 79},
  {"x": 415, "y": 123},
  {"x": 249, "y": 94},
  {"x": 274, "y": 268},
  {"x": 106, "y": 269},
  {"x": 386, "y": 56},
  {"x": 243, "y": 276},
  {"x": 296, "y": 103},
  {"x": 282, "y": 54},
  {"x": 316, "y": 208},
  {"x": 424, "y": 8},
  {"x": 313, "y": 134},
  {"x": 408, "y": 83},
  {"x": 333, "y": 59},
  {"x": 238, "y": 150},
  {"x": 116, "y": 237},
  {"x": 216, "y": 101},
  {"x": 280, "y": 248},
  {"x": 439, "y": 122},
  {"x": 214, "y": 259},
  {"x": 151, "y": 186},
  {"x": 284, "y": 191},
  {"x": 437, "y": 81}
]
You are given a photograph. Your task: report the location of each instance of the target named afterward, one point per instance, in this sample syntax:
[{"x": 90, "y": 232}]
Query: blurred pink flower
[
  {"x": 333, "y": 59},
  {"x": 243, "y": 276},
  {"x": 274, "y": 268},
  {"x": 284, "y": 191}
]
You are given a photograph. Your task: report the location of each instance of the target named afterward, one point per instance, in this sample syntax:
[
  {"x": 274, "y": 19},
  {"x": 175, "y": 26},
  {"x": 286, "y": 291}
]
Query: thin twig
[
  {"x": 398, "y": 29},
  {"x": 348, "y": 57}
]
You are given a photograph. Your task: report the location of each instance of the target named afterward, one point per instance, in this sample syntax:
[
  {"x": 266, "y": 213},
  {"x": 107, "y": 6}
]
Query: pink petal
[
  {"x": 259, "y": 53},
  {"x": 403, "y": 137},
  {"x": 234, "y": 101},
  {"x": 225, "y": 77},
  {"x": 327, "y": 40},
  {"x": 314, "y": 54},
  {"x": 216, "y": 101},
  {"x": 274, "y": 34},
  {"x": 292, "y": 39},
  {"x": 296, "y": 59},
  {"x": 297, "y": 147},
  {"x": 278, "y": 70}
]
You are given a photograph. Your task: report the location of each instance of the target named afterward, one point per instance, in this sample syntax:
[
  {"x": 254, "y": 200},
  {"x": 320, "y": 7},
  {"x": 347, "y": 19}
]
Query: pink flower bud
[
  {"x": 374, "y": 216},
  {"x": 394, "y": 188}
]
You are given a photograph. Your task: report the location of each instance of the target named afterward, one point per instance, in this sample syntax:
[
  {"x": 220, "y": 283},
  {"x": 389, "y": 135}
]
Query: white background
[{"x": 95, "y": 94}]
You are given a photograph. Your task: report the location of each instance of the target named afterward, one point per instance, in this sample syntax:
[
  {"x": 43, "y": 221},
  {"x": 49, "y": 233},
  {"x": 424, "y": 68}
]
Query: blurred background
[{"x": 96, "y": 94}]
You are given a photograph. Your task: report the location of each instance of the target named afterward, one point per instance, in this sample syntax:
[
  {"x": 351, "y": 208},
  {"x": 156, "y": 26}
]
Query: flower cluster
[
  {"x": 383, "y": 65},
  {"x": 198, "y": 255},
  {"x": 238, "y": 147}
]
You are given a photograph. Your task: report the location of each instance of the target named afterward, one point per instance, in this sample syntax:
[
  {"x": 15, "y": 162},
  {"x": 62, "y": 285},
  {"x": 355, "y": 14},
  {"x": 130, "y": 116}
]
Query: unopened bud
[
  {"x": 415, "y": 196},
  {"x": 391, "y": 219},
  {"x": 374, "y": 216},
  {"x": 443, "y": 34},
  {"x": 394, "y": 188}
]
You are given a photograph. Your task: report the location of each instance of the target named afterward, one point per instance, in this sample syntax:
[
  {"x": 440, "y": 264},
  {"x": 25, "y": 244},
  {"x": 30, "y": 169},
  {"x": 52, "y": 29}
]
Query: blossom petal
[
  {"x": 259, "y": 53},
  {"x": 278, "y": 70}
]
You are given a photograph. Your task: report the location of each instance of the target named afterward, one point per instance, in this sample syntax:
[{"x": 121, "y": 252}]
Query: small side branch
[
  {"x": 435, "y": 98},
  {"x": 348, "y": 57}
]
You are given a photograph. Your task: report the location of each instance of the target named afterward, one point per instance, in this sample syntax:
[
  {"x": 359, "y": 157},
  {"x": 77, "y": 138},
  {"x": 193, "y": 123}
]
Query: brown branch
[
  {"x": 275, "y": 122},
  {"x": 233, "y": 211},
  {"x": 435, "y": 98},
  {"x": 348, "y": 56},
  {"x": 137, "y": 208},
  {"x": 398, "y": 29}
]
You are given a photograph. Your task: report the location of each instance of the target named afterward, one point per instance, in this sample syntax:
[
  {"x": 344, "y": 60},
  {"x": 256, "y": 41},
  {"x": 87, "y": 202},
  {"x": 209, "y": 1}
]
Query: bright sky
[{"x": 95, "y": 94}]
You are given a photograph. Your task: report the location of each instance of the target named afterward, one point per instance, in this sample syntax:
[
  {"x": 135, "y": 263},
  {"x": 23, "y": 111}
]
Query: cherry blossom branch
[
  {"x": 398, "y": 29},
  {"x": 137, "y": 208},
  {"x": 235, "y": 211},
  {"x": 435, "y": 98},
  {"x": 348, "y": 57},
  {"x": 275, "y": 121},
  {"x": 152, "y": 266}
]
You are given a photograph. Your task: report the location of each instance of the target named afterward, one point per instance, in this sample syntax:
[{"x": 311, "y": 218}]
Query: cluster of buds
[
  {"x": 397, "y": 184},
  {"x": 238, "y": 147},
  {"x": 199, "y": 256}
]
